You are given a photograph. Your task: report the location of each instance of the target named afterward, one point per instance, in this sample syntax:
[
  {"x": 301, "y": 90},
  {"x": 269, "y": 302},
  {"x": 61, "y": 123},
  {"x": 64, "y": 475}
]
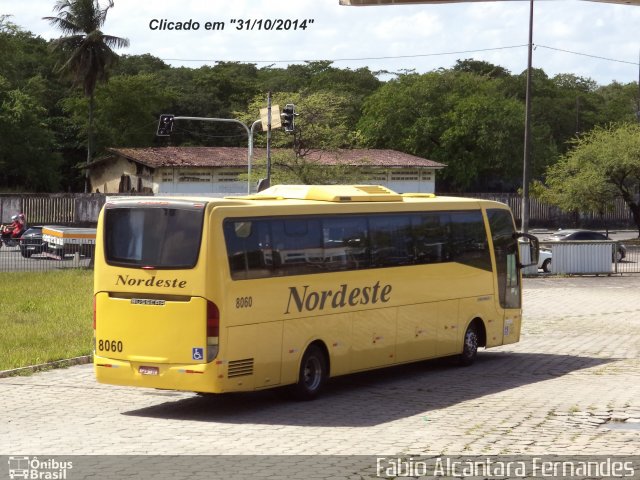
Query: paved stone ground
[{"x": 576, "y": 368}]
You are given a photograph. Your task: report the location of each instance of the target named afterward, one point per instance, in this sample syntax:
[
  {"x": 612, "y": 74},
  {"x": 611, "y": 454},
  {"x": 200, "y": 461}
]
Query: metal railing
[
  {"x": 19, "y": 259},
  {"x": 575, "y": 258}
]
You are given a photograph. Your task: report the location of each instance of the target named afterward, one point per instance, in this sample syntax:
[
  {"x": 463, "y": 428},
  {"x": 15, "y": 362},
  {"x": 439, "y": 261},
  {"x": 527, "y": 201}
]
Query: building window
[
  {"x": 228, "y": 176},
  {"x": 406, "y": 175}
]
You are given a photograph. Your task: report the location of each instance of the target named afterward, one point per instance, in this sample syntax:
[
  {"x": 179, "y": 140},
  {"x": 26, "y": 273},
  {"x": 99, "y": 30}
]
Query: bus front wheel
[
  {"x": 313, "y": 374},
  {"x": 470, "y": 346}
]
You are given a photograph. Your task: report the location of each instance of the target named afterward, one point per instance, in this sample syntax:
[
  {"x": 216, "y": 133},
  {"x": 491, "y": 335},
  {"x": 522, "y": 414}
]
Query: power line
[
  {"x": 418, "y": 55},
  {"x": 586, "y": 55},
  {"x": 348, "y": 59}
]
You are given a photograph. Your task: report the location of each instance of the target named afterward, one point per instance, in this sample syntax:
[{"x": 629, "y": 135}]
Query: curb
[{"x": 68, "y": 362}]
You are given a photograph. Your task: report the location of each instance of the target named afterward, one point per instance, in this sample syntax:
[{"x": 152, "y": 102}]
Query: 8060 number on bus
[
  {"x": 244, "y": 302},
  {"x": 110, "y": 346}
]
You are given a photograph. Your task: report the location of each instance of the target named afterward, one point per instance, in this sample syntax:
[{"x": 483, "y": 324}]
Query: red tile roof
[{"x": 237, "y": 157}]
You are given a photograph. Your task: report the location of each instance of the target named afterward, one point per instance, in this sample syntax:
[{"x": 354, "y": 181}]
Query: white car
[{"x": 544, "y": 260}]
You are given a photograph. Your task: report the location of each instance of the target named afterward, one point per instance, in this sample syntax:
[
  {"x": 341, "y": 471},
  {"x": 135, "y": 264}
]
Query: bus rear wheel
[
  {"x": 313, "y": 374},
  {"x": 470, "y": 346}
]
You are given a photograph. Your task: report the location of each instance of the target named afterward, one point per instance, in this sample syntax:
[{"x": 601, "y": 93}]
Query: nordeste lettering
[
  {"x": 306, "y": 299},
  {"x": 150, "y": 282}
]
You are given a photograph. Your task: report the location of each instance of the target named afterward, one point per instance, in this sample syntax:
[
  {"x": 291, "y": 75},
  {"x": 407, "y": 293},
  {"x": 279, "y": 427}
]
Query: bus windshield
[{"x": 158, "y": 237}]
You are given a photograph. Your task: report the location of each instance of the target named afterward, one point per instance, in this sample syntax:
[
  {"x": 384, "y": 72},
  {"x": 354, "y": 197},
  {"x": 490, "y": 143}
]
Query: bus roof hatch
[{"x": 330, "y": 193}]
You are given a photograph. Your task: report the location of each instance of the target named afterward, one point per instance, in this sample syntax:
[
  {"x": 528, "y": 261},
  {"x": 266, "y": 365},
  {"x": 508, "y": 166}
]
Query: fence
[
  {"x": 17, "y": 259},
  {"x": 78, "y": 209},
  {"x": 546, "y": 215},
  {"x": 83, "y": 209}
]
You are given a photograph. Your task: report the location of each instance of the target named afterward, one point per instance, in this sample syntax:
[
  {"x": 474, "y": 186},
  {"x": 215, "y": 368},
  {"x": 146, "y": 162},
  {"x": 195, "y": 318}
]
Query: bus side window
[
  {"x": 297, "y": 246},
  {"x": 469, "y": 240},
  {"x": 391, "y": 240},
  {"x": 345, "y": 243},
  {"x": 248, "y": 249},
  {"x": 431, "y": 238}
]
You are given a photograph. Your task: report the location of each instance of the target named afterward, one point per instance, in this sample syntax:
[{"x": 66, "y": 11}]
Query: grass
[{"x": 46, "y": 316}]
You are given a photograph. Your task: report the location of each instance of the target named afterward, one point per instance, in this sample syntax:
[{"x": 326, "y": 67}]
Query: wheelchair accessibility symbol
[{"x": 197, "y": 353}]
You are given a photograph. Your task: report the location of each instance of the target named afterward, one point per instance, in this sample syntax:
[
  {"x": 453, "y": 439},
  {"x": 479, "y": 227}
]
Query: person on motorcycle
[
  {"x": 22, "y": 225},
  {"x": 15, "y": 229}
]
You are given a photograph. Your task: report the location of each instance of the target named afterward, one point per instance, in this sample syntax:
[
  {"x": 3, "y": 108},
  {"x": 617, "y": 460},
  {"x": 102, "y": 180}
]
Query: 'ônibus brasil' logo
[{"x": 304, "y": 299}]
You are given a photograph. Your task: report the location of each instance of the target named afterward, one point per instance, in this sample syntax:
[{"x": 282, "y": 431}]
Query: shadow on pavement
[{"x": 380, "y": 396}]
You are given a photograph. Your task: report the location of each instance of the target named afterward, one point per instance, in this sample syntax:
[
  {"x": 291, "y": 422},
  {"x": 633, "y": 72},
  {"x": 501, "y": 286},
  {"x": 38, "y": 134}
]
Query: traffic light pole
[{"x": 232, "y": 120}]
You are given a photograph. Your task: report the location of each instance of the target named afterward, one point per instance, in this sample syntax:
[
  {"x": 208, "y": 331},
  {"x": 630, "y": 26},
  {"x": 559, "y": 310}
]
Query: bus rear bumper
[{"x": 192, "y": 378}]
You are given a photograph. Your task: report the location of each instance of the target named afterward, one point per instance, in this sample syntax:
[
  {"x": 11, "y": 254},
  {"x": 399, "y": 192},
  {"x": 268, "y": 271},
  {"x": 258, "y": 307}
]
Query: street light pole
[
  {"x": 526, "y": 165},
  {"x": 253, "y": 127},
  {"x": 231, "y": 120}
]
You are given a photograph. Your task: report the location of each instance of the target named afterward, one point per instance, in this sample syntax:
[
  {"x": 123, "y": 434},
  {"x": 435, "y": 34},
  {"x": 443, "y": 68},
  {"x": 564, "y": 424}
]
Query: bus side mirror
[{"x": 534, "y": 248}]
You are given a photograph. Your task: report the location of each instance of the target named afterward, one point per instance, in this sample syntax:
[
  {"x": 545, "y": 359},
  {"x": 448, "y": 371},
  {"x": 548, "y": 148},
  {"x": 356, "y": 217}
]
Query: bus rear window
[{"x": 160, "y": 237}]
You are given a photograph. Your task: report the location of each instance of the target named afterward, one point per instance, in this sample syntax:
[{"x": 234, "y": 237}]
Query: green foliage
[
  {"x": 482, "y": 68},
  {"x": 26, "y": 158},
  {"x": 469, "y": 117},
  {"x": 323, "y": 125},
  {"x": 457, "y": 118},
  {"x": 87, "y": 53},
  {"x": 128, "y": 114},
  {"x": 602, "y": 165},
  {"x": 289, "y": 169},
  {"x": 618, "y": 103},
  {"x": 136, "y": 64}
]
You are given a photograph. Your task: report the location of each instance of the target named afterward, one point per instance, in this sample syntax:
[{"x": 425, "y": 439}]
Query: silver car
[{"x": 576, "y": 235}]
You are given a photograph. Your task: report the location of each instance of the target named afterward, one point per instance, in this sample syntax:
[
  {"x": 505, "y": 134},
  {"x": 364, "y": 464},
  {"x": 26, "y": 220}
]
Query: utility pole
[
  {"x": 527, "y": 131},
  {"x": 268, "y": 139},
  {"x": 638, "y": 102}
]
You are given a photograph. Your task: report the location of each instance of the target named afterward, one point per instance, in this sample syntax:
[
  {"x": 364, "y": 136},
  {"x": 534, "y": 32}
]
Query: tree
[
  {"x": 603, "y": 164},
  {"x": 619, "y": 103},
  {"x": 480, "y": 67},
  {"x": 322, "y": 126},
  {"x": 458, "y": 118},
  {"x": 26, "y": 158},
  {"x": 87, "y": 50},
  {"x": 128, "y": 114}
]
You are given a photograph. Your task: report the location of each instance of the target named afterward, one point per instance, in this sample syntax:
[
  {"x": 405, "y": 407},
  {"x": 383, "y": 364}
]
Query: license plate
[{"x": 148, "y": 370}]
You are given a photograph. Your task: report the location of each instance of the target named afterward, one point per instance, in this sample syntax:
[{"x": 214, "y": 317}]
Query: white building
[{"x": 215, "y": 170}]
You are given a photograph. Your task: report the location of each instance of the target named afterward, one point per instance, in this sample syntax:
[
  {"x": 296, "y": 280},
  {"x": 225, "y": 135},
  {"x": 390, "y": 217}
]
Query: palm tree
[{"x": 87, "y": 51}]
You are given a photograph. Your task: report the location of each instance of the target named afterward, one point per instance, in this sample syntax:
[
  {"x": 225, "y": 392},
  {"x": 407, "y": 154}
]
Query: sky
[{"x": 391, "y": 38}]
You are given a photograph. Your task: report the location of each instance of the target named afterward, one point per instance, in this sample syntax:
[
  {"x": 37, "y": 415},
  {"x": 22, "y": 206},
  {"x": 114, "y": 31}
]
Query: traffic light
[
  {"x": 165, "y": 125},
  {"x": 288, "y": 116}
]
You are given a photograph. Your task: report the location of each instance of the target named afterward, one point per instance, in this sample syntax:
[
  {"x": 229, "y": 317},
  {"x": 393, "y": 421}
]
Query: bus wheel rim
[
  {"x": 471, "y": 341},
  {"x": 312, "y": 373}
]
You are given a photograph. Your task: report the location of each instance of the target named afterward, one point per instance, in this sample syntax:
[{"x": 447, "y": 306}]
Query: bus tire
[
  {"x": 313, "y": 374},
  {"x": 469, "y": 346}
]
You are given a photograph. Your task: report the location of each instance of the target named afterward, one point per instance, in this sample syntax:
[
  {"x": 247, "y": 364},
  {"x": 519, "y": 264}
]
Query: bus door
[{"x": 509, "y": 298}]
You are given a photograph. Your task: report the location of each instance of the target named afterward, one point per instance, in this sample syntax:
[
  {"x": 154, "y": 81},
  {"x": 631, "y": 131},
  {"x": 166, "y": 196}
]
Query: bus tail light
[
  {"x": 94, "y": 325},
  {"x": 213, "y": 330}
]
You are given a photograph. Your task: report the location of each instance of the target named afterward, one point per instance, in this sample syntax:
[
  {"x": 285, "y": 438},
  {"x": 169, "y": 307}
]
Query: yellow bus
[{"x": 297, "y": 284}]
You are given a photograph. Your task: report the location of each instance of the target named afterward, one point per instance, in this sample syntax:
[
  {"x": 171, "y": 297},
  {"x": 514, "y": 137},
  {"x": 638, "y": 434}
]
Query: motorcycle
[{"x": 7, "y": 238}]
